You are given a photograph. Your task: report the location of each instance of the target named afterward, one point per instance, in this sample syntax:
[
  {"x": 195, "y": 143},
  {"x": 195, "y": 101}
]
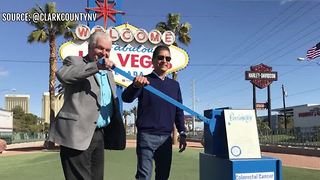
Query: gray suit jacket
[{"x": 76, "y": 122}]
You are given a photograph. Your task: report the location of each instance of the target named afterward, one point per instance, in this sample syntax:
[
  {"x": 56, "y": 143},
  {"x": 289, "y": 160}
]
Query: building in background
[
  {"x": 46, "y": 106},
  {"x": 14, "y": 100},
  {"x": 304, "y": 116}
]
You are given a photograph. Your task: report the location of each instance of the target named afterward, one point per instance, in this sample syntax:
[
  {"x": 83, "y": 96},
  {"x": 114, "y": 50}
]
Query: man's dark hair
[{"x": 158, "y": 49}]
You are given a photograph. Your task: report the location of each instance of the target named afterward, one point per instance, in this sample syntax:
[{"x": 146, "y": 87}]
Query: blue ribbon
[{"x": 211, "y": 122}]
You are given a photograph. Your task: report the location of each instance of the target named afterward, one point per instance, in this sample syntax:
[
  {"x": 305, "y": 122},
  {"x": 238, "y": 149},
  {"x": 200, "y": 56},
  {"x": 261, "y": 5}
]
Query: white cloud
[
  {"x": 3, "y": 72},
  {"x": 285, "y": 1}
]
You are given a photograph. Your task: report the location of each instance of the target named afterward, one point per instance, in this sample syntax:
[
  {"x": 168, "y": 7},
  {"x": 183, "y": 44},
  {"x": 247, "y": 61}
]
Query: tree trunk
[
  {"x": 125, "y": 123},
  {"x": 134, "y": 110},
  {"x": 134, "y": 126},
  {"x": 52, "y": 80},
  {"x": 135, "y": 121}
]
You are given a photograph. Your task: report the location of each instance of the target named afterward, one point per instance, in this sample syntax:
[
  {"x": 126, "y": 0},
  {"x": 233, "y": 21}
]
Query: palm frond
[
  {"x": 37, "y": 35},
  {"x": 57, "y": 28},
  {"x": 180, "y": 30},
  {"x": 162, "y": 27},
  {"x": 70, "y": 24},
  {"x": 40, "y": 10},
  {"x": 185, "y": 28},
  {"x": 37, "y": 24},
  {"x": 173, "y": 22},
  {"x": 43, "y": 37},
  {"x": 66, "y": 28},
  {"x": 183, "y": 33},
  {"x": 185, "y": 39},
  {"x": 50, "y": 7},
  {"x": 70, "y": 35}
]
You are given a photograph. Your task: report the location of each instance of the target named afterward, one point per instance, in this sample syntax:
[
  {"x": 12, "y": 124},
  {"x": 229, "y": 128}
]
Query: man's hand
[
  {"x": 182, "y": 142},
  {"x": 140, "y": 81},
  {"x": 107, "y": 65}
]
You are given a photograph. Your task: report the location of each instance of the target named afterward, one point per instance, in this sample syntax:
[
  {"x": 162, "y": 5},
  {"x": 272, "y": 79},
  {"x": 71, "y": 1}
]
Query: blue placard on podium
[
  {"x": 215, "y": 163},
  {"x": 216, "y": 168}
]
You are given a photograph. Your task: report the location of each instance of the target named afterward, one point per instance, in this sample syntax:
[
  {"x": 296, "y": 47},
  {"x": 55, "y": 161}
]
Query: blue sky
[{"x": 228, "y": 36}]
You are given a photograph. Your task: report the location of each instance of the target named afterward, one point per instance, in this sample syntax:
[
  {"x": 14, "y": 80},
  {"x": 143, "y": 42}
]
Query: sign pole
[
  {"x": 269, "y": 106},
  {"x": 284, "y": 107},
  {"x": 254, "y": 97},
  {"x": 262, "y": 76},
  {"x": 91, "y": 3}
]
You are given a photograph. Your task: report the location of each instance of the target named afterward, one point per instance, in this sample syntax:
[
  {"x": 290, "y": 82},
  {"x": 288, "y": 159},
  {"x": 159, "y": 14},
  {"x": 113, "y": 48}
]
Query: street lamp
[
  {"x": 301, "y": 59},
  {"x": 309, "y": 60}
]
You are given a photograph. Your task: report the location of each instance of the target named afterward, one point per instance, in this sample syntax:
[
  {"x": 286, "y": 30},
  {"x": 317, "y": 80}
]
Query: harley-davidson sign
[{"x": 261, "y": 75}]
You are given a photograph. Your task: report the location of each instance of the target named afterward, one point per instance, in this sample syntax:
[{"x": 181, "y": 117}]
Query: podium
[{"x": 232, "y": 151}]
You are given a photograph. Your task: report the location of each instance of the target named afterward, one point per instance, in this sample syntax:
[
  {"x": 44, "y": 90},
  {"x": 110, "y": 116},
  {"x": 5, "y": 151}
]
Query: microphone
[{"x": 101, "y": 60}]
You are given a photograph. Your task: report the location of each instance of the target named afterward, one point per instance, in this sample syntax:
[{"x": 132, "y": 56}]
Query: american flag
[{"x": 314, "y": 52}]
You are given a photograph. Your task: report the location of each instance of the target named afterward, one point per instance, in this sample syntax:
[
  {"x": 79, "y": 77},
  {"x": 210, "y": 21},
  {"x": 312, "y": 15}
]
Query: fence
[
  {"x": 12, "y": 138},
  {"x": 298, "y": 137}
]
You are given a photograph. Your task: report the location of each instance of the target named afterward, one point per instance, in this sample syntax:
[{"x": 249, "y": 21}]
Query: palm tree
[
  {"x": 125, "y": 116},
  {"x": 180, "y": 30},
  {"x": 134, "y": 111},
  {"x": 48, "y": 31}
]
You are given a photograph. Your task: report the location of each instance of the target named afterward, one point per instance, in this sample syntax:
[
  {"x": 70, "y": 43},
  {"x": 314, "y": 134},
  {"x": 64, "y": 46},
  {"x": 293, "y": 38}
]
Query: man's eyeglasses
[{"x": 161, "y": 58}]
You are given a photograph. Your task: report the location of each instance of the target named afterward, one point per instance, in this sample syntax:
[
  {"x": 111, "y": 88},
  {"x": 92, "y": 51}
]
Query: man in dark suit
[
  {"x": 89, "y": 120},
  {"x": 156, "y": 118}
]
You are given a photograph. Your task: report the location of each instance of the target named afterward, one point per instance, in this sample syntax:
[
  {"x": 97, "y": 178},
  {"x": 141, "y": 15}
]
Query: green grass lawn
[{"x": 120, "y": 165}]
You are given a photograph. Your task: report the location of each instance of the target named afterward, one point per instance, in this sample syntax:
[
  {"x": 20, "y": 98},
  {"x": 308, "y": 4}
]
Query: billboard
[{"x": 131, "y": 50}]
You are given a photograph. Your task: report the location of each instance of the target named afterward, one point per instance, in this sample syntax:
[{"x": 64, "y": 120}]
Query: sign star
[{"x": 106, "y": 11}]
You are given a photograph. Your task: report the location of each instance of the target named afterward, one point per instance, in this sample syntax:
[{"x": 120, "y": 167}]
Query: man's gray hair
[{"x": 94, "y": 37}]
